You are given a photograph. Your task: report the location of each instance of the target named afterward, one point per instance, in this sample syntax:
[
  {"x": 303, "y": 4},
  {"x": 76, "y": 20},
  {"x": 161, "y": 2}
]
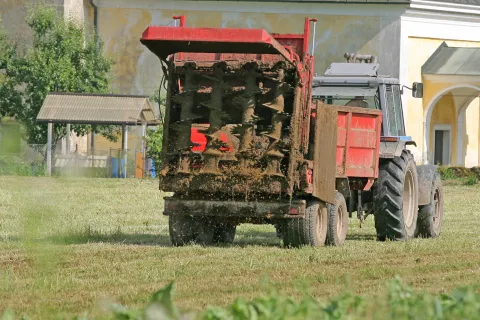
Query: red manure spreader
[{"x": 252, "y": 136}]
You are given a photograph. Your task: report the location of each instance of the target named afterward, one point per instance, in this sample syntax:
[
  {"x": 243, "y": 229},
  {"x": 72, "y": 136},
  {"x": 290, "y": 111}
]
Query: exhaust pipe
[{"x": 360, "y": 58}]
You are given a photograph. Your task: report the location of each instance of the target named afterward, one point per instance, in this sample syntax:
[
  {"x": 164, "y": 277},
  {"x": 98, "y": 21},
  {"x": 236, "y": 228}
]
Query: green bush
[
  {"x": 396, "y": 301},
  {"x": 446, "y": 173},
  {"x": 154, "y": 144},
  {"x": 470, "y": 180},
  {"x": 468, "y": 175},
  {"x": 15, "y": 166}
]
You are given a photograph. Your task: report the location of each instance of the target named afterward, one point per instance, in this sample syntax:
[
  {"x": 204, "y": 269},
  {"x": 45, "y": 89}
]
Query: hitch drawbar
[{"x": 277, "y": 209}]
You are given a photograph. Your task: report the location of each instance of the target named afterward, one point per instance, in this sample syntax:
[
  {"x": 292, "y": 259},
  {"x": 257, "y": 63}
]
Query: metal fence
[
  {"x": 29, "y": 160},
  {"x": 111, "y": 163}
]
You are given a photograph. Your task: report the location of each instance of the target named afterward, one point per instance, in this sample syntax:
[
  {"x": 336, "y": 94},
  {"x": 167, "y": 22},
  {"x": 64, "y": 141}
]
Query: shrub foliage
[{"x": 396, "y": 301}]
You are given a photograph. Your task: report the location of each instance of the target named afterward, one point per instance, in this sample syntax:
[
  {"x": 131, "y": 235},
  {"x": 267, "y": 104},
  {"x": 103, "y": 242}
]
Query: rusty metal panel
[
  {"x": 210, "y": 43},
  {"x": 263, "y": 209},
  {"x": 363, "y": 145},
  {"x": 358, "y": 141},
  {"x": 324, "y": 172},
  {"x": 95, "y": 108}
]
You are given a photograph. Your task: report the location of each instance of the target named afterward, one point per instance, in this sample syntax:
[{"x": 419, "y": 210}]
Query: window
[
  {"x": 394, "y": 110},
  {"x": 370, "y": 102},
  {"x": 442, "y": 150}
]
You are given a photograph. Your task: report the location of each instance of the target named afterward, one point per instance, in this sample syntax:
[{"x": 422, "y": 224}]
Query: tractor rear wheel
[
  {"x": 337, "y": 221},
  {"x": 396, "y": 198},
  {"x": 430, "y": 216},
  {"x": 310, "y": 230}
]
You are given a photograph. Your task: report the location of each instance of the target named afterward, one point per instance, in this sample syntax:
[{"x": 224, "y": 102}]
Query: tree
[
  {"x": 154, "y": 138},
  {"x": 63, "y": 58},
  {"x": 8, "y": 95}
]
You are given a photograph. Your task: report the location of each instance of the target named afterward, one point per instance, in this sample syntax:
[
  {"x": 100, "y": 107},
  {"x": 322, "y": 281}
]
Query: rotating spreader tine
[
  {"x": 215, "y": 104},
  {"x": 273, "y": 154},
  {"x": 217, "y": 75}
]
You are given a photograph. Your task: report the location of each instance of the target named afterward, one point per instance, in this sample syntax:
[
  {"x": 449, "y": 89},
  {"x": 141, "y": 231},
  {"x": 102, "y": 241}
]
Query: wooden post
[
  {"x": 92, "y": 143},
  {"x": 144, "y": 149},
  {"x": 68, "y": 138},
  {"x": 49, "y": 149},
  {"x": 124, "y": 147}
]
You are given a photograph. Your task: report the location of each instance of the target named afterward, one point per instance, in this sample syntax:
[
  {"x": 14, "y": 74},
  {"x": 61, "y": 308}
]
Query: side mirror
[{"x": 417, "y": 90}]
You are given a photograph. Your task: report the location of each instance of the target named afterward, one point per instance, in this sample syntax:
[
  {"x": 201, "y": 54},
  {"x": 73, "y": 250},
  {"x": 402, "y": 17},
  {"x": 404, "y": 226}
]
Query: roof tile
[{"x": 95, "y": 109}]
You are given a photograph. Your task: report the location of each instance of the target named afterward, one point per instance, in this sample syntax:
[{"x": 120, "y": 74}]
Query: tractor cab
[{"x": 359, "y": 85}]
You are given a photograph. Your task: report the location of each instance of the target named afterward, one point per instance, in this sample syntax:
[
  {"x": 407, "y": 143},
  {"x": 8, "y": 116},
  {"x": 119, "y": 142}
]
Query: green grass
[{"x": 74, "y": 245}]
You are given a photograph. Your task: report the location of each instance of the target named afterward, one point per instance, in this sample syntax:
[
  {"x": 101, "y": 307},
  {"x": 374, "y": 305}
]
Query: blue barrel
[
  {"x": 115, "y": 168},
  {"x": 153, "y": 172}
]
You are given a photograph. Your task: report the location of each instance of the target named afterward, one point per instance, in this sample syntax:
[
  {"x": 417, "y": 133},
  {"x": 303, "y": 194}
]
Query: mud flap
[
  {"x": 324, "y": 169},
  {"x": 426, "y": 176}
]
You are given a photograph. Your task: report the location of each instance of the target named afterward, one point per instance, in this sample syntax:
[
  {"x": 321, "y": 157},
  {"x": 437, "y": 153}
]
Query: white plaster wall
[{"x": 75, "y": 10}]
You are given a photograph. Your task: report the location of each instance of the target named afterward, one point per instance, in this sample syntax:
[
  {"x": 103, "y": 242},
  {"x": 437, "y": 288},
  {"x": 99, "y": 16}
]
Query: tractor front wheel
[
  {"x": 310, "y": 230},
  {"x": 430, "y": 216},
  {"x": 396, "y": 198}
]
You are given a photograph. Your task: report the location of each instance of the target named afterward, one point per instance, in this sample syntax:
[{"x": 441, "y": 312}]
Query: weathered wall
[
  {"x": 13, "y": 13},
  {"x": 340, "y": 29}
]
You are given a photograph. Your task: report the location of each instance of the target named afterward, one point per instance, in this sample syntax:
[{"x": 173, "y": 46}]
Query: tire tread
[{"x": 388, "y": 198}]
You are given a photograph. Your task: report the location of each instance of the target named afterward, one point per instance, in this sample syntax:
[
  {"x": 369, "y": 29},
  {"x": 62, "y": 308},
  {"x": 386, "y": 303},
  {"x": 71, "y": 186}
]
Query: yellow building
[
  {"x": 451, "y": 77},
  {"x": 415, "y": 40}
]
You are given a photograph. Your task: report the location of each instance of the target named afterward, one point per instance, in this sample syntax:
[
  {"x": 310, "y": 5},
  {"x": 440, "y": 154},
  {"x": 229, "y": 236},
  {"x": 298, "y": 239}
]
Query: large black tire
[
  {"x": 224, "y": 232},
  {"x": 430, "y": 216},
  {"x": 396, "y": 198},
  {"x": 182, "y": 229},
  {"x": 199, "y": 230},
  {"x": 337, "y": 221},
  {"x": 308, "y": 231}
]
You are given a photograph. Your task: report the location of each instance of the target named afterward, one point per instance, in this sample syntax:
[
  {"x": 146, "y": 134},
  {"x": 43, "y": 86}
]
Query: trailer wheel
[
  {"x": 396, "y": 198},
  {"x": 430, "y": 216},
  {"x": 308, "y": 231},
  {"x": 224, "y": 232},
  {"x": 337, "y": 221},
  {"x": 181, "y": 229}
]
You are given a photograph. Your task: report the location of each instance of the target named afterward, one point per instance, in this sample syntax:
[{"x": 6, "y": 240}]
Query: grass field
[{"x": 70, "y": 245}]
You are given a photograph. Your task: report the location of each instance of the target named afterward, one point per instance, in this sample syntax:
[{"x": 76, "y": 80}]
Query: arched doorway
[{"x": 451, "y": 126}]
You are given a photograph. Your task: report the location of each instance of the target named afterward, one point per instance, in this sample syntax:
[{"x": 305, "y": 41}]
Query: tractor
[{"x": 252, "y": 136}]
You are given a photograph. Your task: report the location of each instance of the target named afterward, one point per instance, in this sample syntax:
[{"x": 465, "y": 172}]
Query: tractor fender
[
  {"x": 426, "y": 178},
  {"x": 392, "y": 149}
]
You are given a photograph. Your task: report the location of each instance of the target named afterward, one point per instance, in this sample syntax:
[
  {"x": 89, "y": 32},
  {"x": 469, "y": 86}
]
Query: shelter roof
[
  {"x": 107, "y": 109},
  {"x": 453, "y": 61}
]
